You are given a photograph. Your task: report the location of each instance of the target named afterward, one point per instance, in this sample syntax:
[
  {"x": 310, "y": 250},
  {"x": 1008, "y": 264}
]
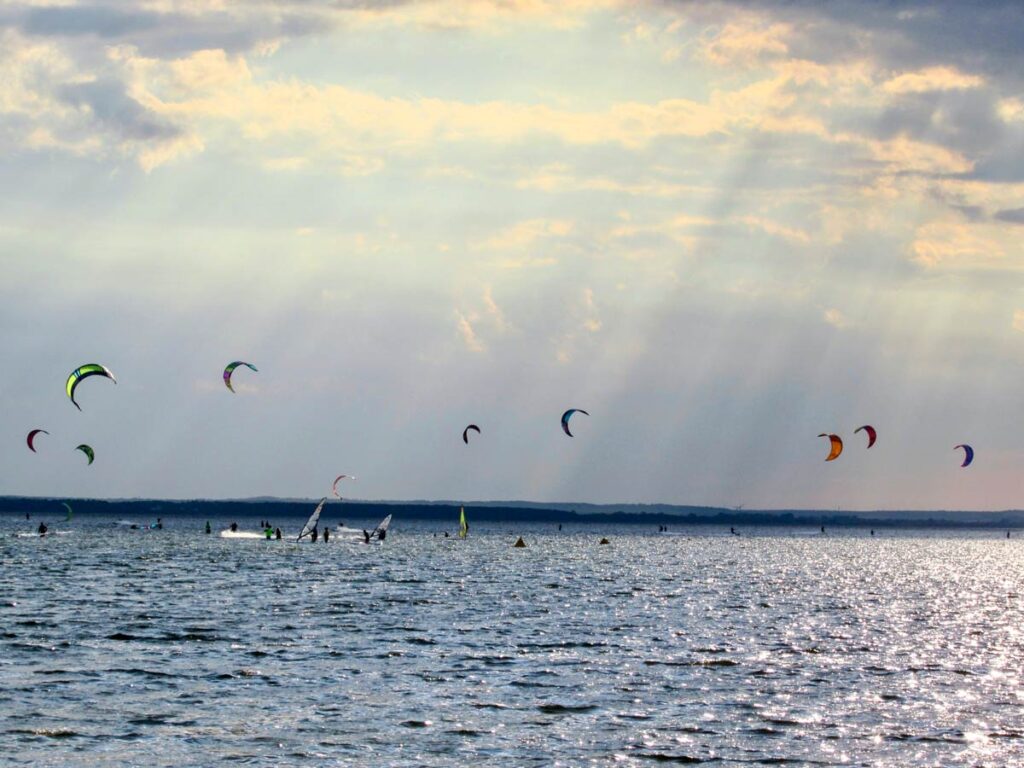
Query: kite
[
  {"x": 567, "y": 415},
  {"x": 231, "y": 369},
  {"x": 84, "y": 372},
  {"x": 872, "y": 434},
  {"x": 32, "y": 436},
  {"x": 465, "y": 432},
  {"x": 334, "y": 488},
  {"x": 968, "y": 454},
  {"x": 837, "y": 446},
  {"x": 87, "y": 451}
]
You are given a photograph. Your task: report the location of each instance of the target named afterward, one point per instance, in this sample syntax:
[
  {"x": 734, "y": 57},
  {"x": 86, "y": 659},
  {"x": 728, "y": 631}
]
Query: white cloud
[
  {"x": 932, "y": 79},
  {"x": 468, "y": 334},
  {"x": 835, "y": 318}
]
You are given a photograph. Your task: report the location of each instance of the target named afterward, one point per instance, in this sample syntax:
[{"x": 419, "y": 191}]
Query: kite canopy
[
  {"x": 338, "y": 479},
  {"x": 465, "y": 432},
  {"x": 968, "y": 454},
  {"x": 68, "y": 508},
  {"x": 84, "y": 372},
  {"x": 32, "y": 436},
  {"x": 872, "y": 434},
  {"x": 231, "y": 369},
  {"x": 567, "y": 415},
  {"x": 837, "y": 446},
  {"x": 87, "y": 451}
]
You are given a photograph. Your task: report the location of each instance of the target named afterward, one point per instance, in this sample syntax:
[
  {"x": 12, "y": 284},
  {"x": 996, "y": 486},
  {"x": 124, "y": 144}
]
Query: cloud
[
  {"x": 835, "y": 318},
  {"x": 945, "y": 243},
  {"x": 774, "y": 228},
  {"x": 525, "y": 234},
  {"x": 1011, "y": 215},
  {"x": 591, "y": 318},
  {"x": 746, "y": 42},
  {"x": 468, "y": 334},
  {"x": 932, "y": 79},
  {"x": 107, "y": 104}
]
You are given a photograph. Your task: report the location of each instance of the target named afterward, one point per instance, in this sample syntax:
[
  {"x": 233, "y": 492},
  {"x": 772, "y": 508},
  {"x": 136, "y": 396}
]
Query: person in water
[
  {"x": 208, "y": 528},
  {"x": 234, "y": 527},
  {"x": 313, "y": 534},
  {"x": 381, "y": 535},
  {"x": 366, "y": 535},
  {"x": 268, "y": 532},
  {"x": 160, "y": 523},
  {"x": 42, "y": 529},
  {"x": 327, "y": 533},
  {"x": 278, "y": 534}
]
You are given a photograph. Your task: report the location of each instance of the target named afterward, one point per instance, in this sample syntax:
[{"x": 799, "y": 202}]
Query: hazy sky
[{"x": 721, "y": 228}]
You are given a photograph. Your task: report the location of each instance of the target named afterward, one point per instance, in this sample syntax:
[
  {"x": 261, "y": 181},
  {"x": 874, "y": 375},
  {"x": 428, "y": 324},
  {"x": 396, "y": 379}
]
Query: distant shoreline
[{"x": 625, "y": 514}]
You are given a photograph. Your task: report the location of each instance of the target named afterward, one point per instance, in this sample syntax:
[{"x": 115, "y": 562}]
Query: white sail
[
  {"x": 382, "y": 528},
  {"x": 313, "y": 519}
]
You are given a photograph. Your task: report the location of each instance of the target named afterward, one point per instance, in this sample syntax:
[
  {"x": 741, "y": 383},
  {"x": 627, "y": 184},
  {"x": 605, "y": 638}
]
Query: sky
[{"x": 720, "y": 228}]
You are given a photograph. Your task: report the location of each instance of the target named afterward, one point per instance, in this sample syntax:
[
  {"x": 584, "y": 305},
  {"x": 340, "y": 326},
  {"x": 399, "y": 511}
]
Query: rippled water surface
[{"x": 172, "y": 648}]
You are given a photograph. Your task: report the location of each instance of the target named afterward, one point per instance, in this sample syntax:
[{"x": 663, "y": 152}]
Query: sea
[{"x": 124, "y": 646}]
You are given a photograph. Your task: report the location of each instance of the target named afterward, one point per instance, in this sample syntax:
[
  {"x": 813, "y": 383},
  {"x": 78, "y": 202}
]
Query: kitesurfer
[
  {"x": 278, "y": 534},
  {"x": 234, "y": 527},
  {"x": 42, "y": 529},
  {"x": 28, "y": 516},
  {"x": 208, "y": 528},
  {"x": 327, "y": 533},
  {"x": 268, "y": 532},
  {"x": 159, "y": 523}
]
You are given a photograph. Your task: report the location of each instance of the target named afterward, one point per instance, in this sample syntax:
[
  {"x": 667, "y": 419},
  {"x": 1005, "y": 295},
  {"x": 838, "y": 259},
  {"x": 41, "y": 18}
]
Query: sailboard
[
  {"x": 313, "y": 519},
  {"x": 382, "y": 529},
  {"x": 463, "y": 527}
]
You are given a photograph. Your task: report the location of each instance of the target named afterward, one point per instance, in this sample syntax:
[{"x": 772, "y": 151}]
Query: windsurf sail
[
  {"x": 313, "y": 519},
  {"x": 463, "y": 527},
  {"x": 382, "y": 529}
]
